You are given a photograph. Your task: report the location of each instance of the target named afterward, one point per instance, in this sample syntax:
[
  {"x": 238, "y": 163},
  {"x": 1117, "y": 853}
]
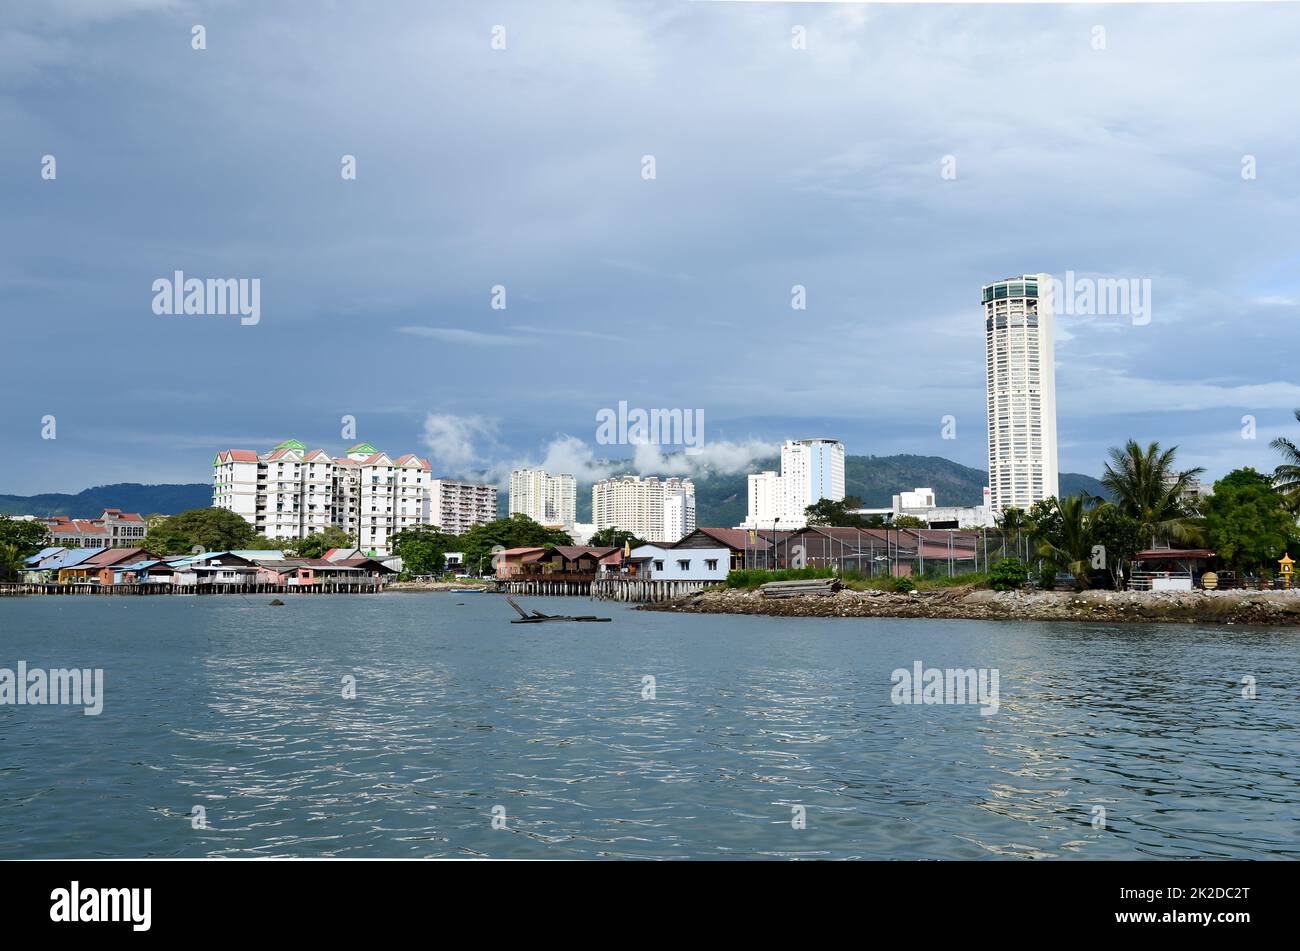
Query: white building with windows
[
  {"x": 546, "y": 499},
  {"x": 651, "y": 509},
  {"x": 661, "y": 563},
  {"x": 292, "y": 492},
  {"x": 811, "y": 470},
  {"x": 456, "y": 507},
  {"x": 921, "y": 503},
  {"x": 1020, "y": 368},
  {"x": 113, "y": 529}
]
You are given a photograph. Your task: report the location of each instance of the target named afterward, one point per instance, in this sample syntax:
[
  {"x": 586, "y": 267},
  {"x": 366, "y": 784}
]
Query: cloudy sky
[{"x": 523, "y": 167}]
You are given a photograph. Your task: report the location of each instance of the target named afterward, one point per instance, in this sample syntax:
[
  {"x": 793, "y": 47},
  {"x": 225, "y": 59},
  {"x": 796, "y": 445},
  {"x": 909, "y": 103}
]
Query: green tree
[
  {"x": 839, "y": 514},
  {"x": 1146, "y": 487},
  {"x": 1247, "y": 521},
  {"x": 1011, "y": 520},
  {"x": 907, "y": 521},
  {"x": 1121, "y": 538},
  {"x": 27, "y": 537},
  {"x": 1069, "y": 541},
  {"x": 212, "y": 529},
  {"x": 1042, "y": 520},
  {"x": 11, "y": 561},
  {"x": 1287, "y": 476},
  {"x": 315, "y": 545},
  {"x": 423, "y": 549},
  {"x": 615, "y": 537},
  {"x": 517, "y": 531}
]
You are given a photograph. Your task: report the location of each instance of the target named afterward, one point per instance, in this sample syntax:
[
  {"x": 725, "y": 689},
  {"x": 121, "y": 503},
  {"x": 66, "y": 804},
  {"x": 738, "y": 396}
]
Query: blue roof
[
  {"x": 72, "y": 557},
  {"x": 42, "y": 554},
  {"x": 136, "y": 565}
]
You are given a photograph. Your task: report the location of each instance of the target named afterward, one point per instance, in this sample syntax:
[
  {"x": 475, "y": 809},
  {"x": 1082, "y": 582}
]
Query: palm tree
[
  {"x": 1286, "y": 477},
  {"x": 1146, "y": 487},
  {"x": 11, "y": 560},
  {"x": 1074, "y": 532},
  {"x": 1011, "y": 519}
]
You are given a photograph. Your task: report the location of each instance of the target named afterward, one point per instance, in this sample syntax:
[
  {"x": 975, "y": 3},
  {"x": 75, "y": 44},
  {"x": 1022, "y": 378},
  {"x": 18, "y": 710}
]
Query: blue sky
[{"x": 523, "y": 167}]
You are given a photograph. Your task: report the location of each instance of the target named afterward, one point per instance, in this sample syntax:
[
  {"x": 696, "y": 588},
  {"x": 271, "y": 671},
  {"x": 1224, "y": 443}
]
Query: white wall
[{"x": 699, "y": 559}]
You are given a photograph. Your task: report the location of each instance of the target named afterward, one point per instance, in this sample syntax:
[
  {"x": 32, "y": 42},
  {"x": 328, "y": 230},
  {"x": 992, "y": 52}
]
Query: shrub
[
  {"x": 1047, "y": 576},
  {"x": 1009, "y": 574},
  {"x": 753, "y": 577},
  {"x": 904, "y": 585}
]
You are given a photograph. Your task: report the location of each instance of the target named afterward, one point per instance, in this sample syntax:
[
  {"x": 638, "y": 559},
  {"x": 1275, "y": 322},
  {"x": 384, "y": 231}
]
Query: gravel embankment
[{"x": 1207, "y": 607}]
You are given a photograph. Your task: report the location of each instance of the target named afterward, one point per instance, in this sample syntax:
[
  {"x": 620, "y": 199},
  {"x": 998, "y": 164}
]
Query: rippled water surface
[{"x": 236, "y": 706}]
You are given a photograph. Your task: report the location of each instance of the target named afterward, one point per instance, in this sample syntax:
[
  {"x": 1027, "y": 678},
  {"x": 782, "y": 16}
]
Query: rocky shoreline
[
  {"x": 437, "y": 585},
  {"x": 1204, "y": 607}
]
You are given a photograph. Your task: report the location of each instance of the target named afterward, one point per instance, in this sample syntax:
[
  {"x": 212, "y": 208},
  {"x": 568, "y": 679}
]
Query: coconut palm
[
  {"x": 1146, "y": 487},
  {"x": 1011, "y": 519},
  {"x": 1286, "y": 477},
  {"x": 11, "y": 560},
  {"x": 1072, "y": 534}
]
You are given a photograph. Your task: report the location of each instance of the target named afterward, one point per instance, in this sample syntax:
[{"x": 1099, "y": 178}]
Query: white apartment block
[
  {"x": 293, "y": 492},
  {"x": 1020, "y": 369},
  {"x": 652, "y": 510},
  {"x": 456, "y": 507},
  {"x": 546, "y": 499},
  {"x": 811, "y": 470},
  {"x": 921, "y": 503}
]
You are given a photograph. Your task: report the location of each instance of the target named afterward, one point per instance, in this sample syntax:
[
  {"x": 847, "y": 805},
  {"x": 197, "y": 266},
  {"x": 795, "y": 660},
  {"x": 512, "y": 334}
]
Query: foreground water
[{"x": 231, "y": 705}]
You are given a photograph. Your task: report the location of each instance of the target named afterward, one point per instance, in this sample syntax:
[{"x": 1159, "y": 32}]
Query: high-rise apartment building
[
  {"x": 651, "y": 509},
  {"x": 811, "y": 470},
  {"x": 547, "y": 499},
  {"x": 1021, "y": 373},
  {"x": 456, "y": 507},
  {"x": 292, "y": 492}
]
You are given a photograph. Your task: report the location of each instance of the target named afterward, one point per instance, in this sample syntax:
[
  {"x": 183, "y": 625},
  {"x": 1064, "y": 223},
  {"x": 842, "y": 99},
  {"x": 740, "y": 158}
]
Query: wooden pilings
[
  {"x": 643, "y": 591},
  {"x": 324, "y": 587},
  {"x": 540, "y": 586}
]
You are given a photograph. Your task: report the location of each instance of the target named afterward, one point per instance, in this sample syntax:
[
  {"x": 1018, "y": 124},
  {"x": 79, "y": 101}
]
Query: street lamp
[{"x": 775, "y": 521}]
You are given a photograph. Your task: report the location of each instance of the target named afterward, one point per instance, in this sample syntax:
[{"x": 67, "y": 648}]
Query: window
[
  {"x": 684, "y": 564},
  {"x": 711, "y": 564},
  {"x": 659, "y": 566}
]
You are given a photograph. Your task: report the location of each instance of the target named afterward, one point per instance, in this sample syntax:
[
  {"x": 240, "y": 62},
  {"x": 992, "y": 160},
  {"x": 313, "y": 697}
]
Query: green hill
[
  {"x": 721, "y": 500},
  {"x": 127, "y": 496}
]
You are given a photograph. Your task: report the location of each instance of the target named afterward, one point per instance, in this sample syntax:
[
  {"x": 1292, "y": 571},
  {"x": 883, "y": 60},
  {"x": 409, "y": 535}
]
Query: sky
[{"x": 888, "y": 159}]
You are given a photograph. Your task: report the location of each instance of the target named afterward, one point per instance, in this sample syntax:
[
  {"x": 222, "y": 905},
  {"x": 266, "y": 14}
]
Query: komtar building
[
  {"x": 293, "y": 492},
  {"x": 1021, "y": 374},
  {"x": 651, "y": 509},
  {"x": 811, "y": 470}
]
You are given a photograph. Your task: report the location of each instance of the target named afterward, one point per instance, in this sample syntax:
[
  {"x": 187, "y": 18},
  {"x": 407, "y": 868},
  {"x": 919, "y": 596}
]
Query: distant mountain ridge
[
  {"x": 127, "y": 496},
  {"x": 720, "y": 499}
]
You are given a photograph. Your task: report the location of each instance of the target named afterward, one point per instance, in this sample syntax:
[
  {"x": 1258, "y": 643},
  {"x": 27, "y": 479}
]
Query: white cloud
[
  {"x": 458, "y": 335},
  {"x": 719, "y": 456},
  {"x": 455, "y": 442}
]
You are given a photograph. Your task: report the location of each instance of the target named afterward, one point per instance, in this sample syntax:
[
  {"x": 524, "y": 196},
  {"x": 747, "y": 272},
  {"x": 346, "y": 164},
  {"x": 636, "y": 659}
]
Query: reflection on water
[{"x": 229, "y": 705}]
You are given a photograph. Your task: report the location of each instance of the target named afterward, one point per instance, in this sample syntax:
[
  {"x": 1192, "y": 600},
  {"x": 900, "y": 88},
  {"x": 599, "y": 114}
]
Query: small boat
[
  {"x": 466, "y": 590},
  {"x": 537, "y": 617}
]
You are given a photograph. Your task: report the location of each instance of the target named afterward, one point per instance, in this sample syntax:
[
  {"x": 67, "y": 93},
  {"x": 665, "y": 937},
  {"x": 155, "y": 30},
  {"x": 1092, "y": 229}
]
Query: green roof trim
[
  {"x": 363, "y": 447},
  {"x": 291, "y": 444}
]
